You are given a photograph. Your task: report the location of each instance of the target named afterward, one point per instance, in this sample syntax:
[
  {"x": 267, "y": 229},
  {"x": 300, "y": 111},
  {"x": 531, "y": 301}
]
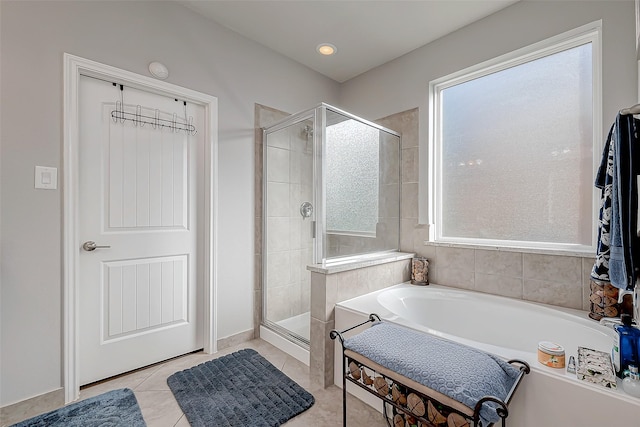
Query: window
[{"x": 512, "y": 147}]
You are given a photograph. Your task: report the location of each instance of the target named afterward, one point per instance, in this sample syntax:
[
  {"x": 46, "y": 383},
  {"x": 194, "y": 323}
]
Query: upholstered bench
[{"x": 428, "y": 380}]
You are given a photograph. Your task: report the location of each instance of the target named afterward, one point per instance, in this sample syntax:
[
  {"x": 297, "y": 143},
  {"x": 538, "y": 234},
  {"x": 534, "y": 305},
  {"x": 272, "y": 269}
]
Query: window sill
[{"x": 556, "y": 252}]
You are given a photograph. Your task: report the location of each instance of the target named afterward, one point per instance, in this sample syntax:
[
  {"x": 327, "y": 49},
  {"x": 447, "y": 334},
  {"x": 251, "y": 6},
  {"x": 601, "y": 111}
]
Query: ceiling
[{"x": 366, "y": 33}]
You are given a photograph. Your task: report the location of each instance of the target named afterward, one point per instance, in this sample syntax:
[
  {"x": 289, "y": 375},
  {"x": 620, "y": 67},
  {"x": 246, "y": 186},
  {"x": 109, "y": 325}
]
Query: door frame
[{"x": 74, "y": 67}]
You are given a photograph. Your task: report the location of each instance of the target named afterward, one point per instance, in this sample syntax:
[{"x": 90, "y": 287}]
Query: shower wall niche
[{"x": 331, "y": 194}]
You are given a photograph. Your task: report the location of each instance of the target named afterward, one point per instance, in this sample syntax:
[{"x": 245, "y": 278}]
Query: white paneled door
[{"x": 141, "y": 201}]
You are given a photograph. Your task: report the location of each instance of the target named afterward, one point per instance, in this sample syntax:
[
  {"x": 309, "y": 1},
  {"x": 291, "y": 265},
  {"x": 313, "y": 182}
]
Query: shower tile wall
[
  {"x": 412, "y": 234},
  {"x": 327, "y": 289},
  {"x": 550, "y": 279},
  {"x": 289, "y": 243},
  {"x": 390, "y": 180}
]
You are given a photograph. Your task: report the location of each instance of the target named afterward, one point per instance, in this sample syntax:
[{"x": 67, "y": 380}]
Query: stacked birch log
[{"x": 417, "y": 405}]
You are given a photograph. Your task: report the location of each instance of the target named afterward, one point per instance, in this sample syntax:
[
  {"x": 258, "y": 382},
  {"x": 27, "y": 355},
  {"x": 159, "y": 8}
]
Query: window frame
[{"x": 589, "y": 33}]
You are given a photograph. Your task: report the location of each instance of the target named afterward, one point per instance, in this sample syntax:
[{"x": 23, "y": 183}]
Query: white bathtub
[{"x": 511, "y": 329}]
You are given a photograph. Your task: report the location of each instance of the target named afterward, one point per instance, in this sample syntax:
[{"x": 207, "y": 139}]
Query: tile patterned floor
[{"x": 160, "y": 409}]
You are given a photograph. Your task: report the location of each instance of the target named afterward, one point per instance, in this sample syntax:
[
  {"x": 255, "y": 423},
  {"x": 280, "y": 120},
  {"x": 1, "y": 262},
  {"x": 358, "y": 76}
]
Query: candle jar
[{"x": 419, "y": 271}]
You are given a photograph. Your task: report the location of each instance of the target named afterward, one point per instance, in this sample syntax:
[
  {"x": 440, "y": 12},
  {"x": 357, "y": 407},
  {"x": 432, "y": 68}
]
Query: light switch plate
[{"x": 46, "y": 178}]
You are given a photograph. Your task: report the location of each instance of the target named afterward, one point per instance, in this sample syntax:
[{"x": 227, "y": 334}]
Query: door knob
[{"x": 91, "y": 246}]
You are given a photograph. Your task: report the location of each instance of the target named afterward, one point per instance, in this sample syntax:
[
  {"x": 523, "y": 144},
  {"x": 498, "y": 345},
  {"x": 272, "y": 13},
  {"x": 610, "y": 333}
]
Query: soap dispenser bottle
[{"x": 627, "y": 339}]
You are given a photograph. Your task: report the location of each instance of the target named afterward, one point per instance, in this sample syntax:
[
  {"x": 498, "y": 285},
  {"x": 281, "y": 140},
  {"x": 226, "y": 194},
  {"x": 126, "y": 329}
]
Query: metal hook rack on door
[{"x": 139, "y": 119}]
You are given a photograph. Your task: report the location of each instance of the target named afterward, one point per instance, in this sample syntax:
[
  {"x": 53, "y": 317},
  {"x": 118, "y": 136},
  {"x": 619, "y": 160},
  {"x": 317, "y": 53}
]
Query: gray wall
[
  {"x": 201, "y": 56},
  {"x": 403, "y": 84}
]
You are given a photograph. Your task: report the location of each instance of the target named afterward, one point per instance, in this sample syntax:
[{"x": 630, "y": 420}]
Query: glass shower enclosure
[{"x": 331, "y": 194}]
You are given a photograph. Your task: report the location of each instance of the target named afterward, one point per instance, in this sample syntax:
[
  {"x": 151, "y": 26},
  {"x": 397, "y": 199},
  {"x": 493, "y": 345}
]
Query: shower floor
[{"x": 299, "y": 324}]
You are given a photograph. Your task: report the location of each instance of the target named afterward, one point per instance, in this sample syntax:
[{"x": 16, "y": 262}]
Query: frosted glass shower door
[
  {"x": 361, "y": 187},
  {"x": 288, "y": 228}
]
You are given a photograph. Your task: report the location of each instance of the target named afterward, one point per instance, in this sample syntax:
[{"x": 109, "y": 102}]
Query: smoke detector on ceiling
[{"x": 158, "y": 70}]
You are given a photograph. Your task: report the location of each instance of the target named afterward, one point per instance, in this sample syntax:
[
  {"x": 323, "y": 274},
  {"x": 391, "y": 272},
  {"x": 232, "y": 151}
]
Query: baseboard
[
  {"x": 236, "y": 339},
  {"x": 31, "y": 407}
]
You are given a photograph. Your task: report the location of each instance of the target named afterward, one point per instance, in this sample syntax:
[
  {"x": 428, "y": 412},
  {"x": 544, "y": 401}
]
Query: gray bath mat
[
  {"x": 117, "y": 408},
  {"x": 240, "y": 389}
]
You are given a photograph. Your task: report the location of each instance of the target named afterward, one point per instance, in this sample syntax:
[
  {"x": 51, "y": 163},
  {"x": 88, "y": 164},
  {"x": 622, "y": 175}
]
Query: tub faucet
[
  {"x": 635, "y": 308},
  {"x": 610, "y": 322}
]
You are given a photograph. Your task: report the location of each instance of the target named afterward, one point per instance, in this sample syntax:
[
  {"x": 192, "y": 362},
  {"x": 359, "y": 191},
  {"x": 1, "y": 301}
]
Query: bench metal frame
[{"x": 397, "y": 381}]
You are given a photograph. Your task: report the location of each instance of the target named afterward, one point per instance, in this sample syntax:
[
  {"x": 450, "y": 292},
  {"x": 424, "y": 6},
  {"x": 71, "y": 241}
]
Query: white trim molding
[{"x": 74, "y": 67}]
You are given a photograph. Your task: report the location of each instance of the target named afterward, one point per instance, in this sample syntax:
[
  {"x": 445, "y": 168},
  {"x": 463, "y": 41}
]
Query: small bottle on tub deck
[
  {"x": 631, "y": 383},
  {"x": 551, "y": 354}
]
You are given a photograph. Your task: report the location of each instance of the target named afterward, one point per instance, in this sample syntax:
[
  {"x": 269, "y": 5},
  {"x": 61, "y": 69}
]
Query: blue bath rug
[
  {"x": 239, "y": 389},
  {"x": 117, "y": 408}
]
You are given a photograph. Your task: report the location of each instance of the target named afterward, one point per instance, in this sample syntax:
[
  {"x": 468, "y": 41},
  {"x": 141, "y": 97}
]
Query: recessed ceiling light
[{"x": 326, "y": 49}]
